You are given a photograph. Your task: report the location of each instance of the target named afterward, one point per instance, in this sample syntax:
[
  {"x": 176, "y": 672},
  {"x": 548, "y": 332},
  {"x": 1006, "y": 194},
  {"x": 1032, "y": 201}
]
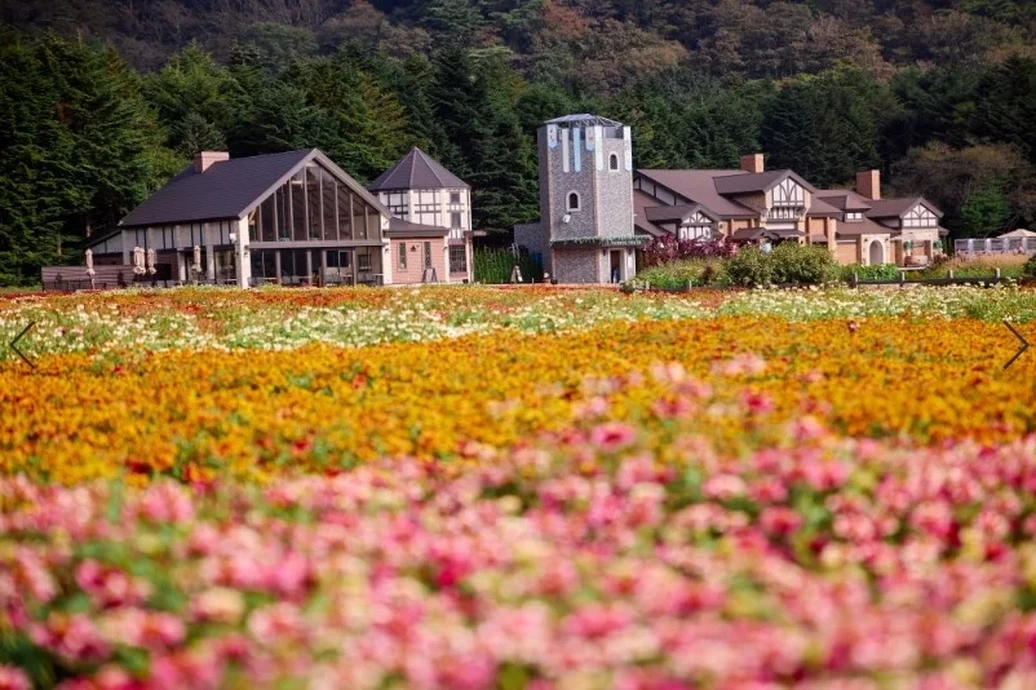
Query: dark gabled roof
[
  {"x": 231, "y": 189},
  {"x": 680, "y": 212},
  {"x": 864, "y": 226},
  {"x": 417, "y": 170},
  {"x": 752, "y": 234},
  {"x": 642, "y": 202},
  {"x": 748, "y": 183},
  {"x": 822, "y": 207},
  {"x": 699, "y": 186},
  {"x": 895, "y": 208},
  {"x": 404, "y": 228},
  {"x": 222, "y": 191},
  {"x": 845, "y": 199}
]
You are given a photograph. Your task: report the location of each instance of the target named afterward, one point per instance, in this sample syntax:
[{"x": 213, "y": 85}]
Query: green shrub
[
  {"x": 678, "y": 274},
  {"x": 750, "y": 267},
  {"x": 1029, "y": 269},
  {"x": 801, "y": 264},
  {"x": 875, "y": 272},
  {"x": 495, "y": 266}
]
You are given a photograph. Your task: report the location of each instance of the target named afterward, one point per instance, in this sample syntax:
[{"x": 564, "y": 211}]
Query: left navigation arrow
[{"x": 14, "y": 344}]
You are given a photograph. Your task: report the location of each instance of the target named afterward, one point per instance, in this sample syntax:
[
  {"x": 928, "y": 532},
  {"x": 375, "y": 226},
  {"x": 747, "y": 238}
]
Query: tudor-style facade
[
  {"x": 904, "y": 230},
  {"x": 586, "y": 233},
  {"x": 744, "y": 205},
  {"x": 420, "y": 190},
  {"x": 286, "y": 218}
]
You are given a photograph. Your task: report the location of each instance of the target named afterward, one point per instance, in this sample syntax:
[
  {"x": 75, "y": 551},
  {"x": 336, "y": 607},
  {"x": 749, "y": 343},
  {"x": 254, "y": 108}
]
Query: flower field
[{"x": 538, "y": 489}]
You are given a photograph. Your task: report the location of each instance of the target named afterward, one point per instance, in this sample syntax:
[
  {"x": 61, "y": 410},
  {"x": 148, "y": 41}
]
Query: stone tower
[{"x": 586, "y": 199}]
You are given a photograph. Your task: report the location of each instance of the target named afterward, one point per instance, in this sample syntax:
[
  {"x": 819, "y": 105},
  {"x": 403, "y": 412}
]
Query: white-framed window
[
  {"x": 455, "y": 219},
  {"x": 920, "y": 216},
  {"x": 789, "y": 193},
  {"x": 572, "y": 201},
  {"x": 454, "y": 197},
  {"x": 613, "y": 161},
  {"x": 458, "y": 259},
  {"x": 402, "y": 255},
  {"x": 853, "y": 216}
]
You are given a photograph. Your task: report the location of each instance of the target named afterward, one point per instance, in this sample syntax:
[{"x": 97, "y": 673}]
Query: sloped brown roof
[
  {"x": 232, "y": 188},
  {"x": 661, "y": 213},
  {"x": 225, "y": 190},
  {"x": 404, "y": 228},
  {"x": 747, "y": 183},
  {"x": 755, "y": 233},
  {"x": 865, "y": 226},
  {"x": 699, "y": 186},
  {"x": 895, "y": 208},
  {"x": 820, "y": 208},
  {"x": 845, "y": 199},
  {"x": 642, "y": 202},
  {"x": 417, "y": 170}
]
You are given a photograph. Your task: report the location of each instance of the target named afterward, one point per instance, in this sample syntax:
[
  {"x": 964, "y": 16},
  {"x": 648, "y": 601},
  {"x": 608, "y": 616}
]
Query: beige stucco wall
[
  {"x": 847, "y": 252},
  {"x": 414, "y": 271}
]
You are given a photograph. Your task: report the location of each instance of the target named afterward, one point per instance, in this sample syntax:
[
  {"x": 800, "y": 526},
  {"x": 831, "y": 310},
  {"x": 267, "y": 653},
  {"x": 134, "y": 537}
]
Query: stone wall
[
  {"x": 615, "y": 190},
  {"x": 577, "y": 265},
  {"x": 581, "y": 222}
]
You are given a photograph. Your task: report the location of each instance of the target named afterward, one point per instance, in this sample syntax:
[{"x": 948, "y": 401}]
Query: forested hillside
[{"x": 102, "y": 100}]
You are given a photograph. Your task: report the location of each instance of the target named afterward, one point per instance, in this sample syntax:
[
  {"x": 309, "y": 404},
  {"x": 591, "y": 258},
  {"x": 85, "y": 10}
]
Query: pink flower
[
  {"x": 611, "y": 437},
  {"x": 275, "y": 623},
  {"x": 12, "y": 678},
  {"x": 756, "y": 403},
  {"x": 779, "y": 521}
]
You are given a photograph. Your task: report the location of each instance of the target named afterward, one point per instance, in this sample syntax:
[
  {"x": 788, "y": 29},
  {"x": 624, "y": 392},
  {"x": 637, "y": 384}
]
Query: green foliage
[
  {"x": 78, "y": 148},
  {"x": 788, "y": 263},
  {"x": 875, "y": 272},
  {"x": 750, "y": 267},
  {"x": 678, "y": 274},
  {"x": 496, "y": 265},
  {"x": 986, "y": 211},
  {"x": 825, "y": 127},
  {"x": 1029, "y": 269},
  {"x": 801, "y": 264}
]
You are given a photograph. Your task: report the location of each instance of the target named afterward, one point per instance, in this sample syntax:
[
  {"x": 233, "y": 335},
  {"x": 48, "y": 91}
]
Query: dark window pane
[
  {"x": 327, "y": 195},
  {"x": 267, "y": 219},
  {"x": 359, "y": 222},
  {"x": 283, "y": 213},
  {"x": 298, "y": 206},
  {"x": 373, "y": 223},
  {"x": 458, "y": 259},
  {"x": 313, "y": 198},
  {"x": 345, "y": 231}
]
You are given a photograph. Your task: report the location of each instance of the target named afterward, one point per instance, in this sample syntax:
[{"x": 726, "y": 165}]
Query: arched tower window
[
  {"x": 613, "y": 161},
  {"x": 573, "y": 201}
]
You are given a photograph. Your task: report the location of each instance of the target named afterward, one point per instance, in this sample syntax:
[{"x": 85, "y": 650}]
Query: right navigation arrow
[{"x": 1023, "y": 348}]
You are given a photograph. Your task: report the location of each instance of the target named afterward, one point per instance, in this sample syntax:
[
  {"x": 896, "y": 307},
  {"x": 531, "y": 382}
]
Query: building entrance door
[{"x": 616, "y": 265}]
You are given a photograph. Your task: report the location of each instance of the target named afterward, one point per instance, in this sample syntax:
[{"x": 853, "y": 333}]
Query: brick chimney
[
  {"x": 203, "y": 159},
  {"x": 752, "y": 162},
  {"x": 868, "y": 184}
]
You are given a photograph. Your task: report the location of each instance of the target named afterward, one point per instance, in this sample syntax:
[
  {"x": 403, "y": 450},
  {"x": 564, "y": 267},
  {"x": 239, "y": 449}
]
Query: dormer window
[
  {"x": 572, "y": 203},
  {"x": 853, "y": 217},
  {"x": 613, "y": 161}
]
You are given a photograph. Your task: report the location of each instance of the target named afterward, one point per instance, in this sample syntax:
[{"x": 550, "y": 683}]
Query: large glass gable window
[{"x": 315, "y": 206}]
